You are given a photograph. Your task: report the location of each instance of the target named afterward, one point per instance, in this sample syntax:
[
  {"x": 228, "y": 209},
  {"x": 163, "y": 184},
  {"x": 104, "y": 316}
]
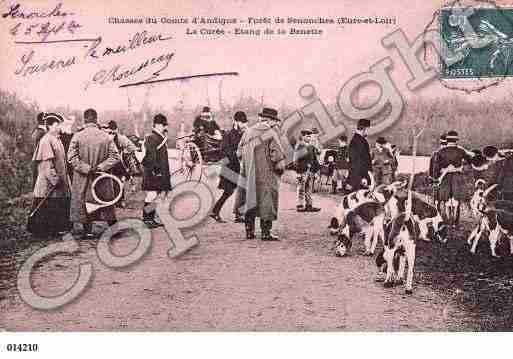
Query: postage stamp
[{"x": 482, "y": 38}]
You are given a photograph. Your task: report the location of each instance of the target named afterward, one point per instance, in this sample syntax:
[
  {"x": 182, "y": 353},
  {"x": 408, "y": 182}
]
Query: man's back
[{"x": 93, "y": 145}]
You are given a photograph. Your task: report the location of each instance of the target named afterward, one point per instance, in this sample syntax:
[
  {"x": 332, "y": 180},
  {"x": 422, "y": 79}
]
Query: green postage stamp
[{"x": 482, "y": 50}]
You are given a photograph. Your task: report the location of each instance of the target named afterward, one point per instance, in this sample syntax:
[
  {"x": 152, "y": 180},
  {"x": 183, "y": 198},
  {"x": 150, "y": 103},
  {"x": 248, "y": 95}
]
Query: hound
[
  {"x": 495, "y": 217},
  {"x": 399, "y": 249},
  {"x": 373, "y": 206}
]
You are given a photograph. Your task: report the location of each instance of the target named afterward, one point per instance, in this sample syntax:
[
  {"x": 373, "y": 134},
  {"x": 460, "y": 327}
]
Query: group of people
[
  {"x": 255, "y": 163},
  {"x": 65, "y": 166},
  {"x": 351, "y": 163},
  {"x": 491, "y": 165}
]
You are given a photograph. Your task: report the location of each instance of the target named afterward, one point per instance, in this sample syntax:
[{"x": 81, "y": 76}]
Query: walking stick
[{"x": 42, "y": 201}]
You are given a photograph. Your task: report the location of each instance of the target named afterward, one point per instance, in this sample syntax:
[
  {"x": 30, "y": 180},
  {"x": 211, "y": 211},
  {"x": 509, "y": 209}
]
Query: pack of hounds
[{"x": 382, "y": 212}]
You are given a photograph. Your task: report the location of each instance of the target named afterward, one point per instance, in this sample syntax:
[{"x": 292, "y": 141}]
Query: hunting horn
[{"x": 90, "y": 206}]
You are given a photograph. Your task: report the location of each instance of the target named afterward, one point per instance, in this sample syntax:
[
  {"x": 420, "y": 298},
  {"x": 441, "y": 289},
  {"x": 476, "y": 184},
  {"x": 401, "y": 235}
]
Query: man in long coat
[
  {"x": 359, "y": 157},
  {"x": 262, "y": 164},
  {"x": 156, "y": 175},
  {"x": 91, "y": 151}
]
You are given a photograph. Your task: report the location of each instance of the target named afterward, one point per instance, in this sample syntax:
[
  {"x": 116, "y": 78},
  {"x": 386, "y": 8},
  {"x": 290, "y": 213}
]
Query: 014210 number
[{"x": 22, "y": 347}]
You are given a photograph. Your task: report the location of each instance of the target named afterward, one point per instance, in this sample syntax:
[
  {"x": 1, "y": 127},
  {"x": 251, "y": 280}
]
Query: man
[
  {"x": 128, "y": 166},
  {"x": 91, "y": 151},
  {"x": 449, "y": 171},
  {"x": 66, "y": 135},
  {"x": 341, "y": 164},
  {"x": 304, "y": 160},
  {"x": 316, "y": 148},
  {"x": 505, "y": 179},
  {"x": 262, "y": 164},
  {"x": 205, "y": 123},
  {"x": 382, "y": 160},
  {"x": 229, "y": 149},
  {"x": 433, "y": 167},
  {"x": 156, "y": 175},
  {"x": 359, "y": 157},
  {"x": 36, "y": 136}
]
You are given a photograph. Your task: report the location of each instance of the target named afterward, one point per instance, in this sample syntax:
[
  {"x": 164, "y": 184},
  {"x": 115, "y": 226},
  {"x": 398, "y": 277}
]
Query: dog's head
[{"x": 479, "y": 201}]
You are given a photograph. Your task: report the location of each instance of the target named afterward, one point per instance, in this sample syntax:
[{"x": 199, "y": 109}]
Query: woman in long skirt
[{"x": 50, "y": 210}]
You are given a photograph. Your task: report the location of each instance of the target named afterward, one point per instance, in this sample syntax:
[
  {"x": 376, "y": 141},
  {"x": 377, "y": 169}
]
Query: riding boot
[
  {"x": 250, "y": 227},
  {"x": 266, "y": 231},
  {"x": 334, "y": 187}
]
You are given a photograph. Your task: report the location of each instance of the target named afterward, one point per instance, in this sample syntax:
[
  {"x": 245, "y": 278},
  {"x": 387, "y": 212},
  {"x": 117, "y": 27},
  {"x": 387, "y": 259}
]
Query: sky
[{"x": 274, "y": 67}]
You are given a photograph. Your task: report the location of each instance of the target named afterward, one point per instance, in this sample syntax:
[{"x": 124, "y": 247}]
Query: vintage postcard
[{"x": 342, "y": 166}]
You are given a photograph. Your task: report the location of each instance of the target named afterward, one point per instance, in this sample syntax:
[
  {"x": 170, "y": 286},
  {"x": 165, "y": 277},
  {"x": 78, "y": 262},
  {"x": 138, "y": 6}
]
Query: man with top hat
[
  {"x": 359, "y": 157},
  {"x": 382, "y": 163},
  {"x": 304, "y": 160},
  {"x": 232, "y": 166},
  {"x": 262, "y": 164},
  {"x": 449, "y": 171},
  {"x": 156, "y": 175},
  {"x": 91, "y": 151}
]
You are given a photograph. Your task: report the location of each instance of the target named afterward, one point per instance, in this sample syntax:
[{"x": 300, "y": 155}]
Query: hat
[
  {"x": 205, "y": 111},
  {"x": 240, "y": 116},
  {"x": 160, "y": 119},
  {"x": 381, "y": 140},
  {"x": 51, "y": 118},
  {"x": 111, "y": 125},
  {"x": 452, "y": 136},
  {"x": 269, "y": 113},
  {"x": 343, "y": 138},
  {"x": 490, "y": 151},
  {"x": 363, "y": 123},
  {"x": 306, "y": 132},
  {"x": 443, "y": 139}
]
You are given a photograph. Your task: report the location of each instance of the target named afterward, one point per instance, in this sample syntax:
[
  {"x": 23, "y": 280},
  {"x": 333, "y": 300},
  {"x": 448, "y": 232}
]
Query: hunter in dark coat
[
  {"x": 359, "y": 157},
  {"x": 227, "y": 182},
  {"x": 156, "y": 175}
]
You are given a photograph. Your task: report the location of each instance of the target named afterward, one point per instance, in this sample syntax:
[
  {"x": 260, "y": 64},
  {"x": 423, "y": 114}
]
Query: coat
[
  {"x": 35, "y": 137},
  {"x": 304, "y": 161},
  {"x": 91, "y": 148},
  {"x": 50, "y": 159},
  {"x": 156, "y": 175},
  {"x": 229, "y": 150},
  {"x": 505, "y": 179},
  {"x": 128, "y": 166},
  {"x": 262, "y": 164},
  {"x": 360, "y": 161}
]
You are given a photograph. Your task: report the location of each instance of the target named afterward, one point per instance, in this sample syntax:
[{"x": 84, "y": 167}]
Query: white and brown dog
[
  {"x": 373, "y": 206},
  {"x": 399, "y": 250},
  {"x": 495, "y": 217}
]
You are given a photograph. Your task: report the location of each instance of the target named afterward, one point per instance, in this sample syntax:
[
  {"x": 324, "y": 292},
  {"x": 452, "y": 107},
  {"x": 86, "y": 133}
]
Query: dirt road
[{"x": 229, "y": 283}]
